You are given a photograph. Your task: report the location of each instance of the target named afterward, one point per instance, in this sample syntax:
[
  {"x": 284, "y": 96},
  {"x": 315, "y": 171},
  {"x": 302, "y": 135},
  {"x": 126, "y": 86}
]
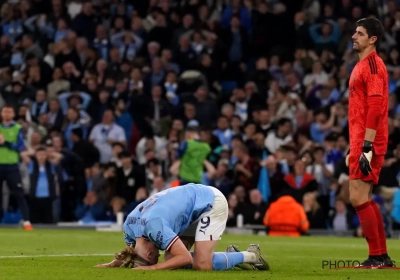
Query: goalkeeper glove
[{"x": 365, "y": 158}]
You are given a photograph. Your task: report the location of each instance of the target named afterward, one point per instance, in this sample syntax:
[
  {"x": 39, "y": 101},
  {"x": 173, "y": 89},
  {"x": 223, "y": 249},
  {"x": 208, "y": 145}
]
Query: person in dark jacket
[
  {"x": 42, "y": 174},
  {"x": 315, "y": 213},
  {"x": 84, "y": 24},
  {"x": 73, "y": 182},
  {"x": 86, "y": 150},
  {"x": 129, "y": 178},
  {"x": 258, "y": 207},
  {"x": 15, "y": 93}
]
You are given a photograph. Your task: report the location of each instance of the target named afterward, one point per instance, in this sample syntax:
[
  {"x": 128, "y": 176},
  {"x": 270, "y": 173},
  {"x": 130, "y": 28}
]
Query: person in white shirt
[
  {"x": 317, "y": 77},
  {"x": 142, "y": 146},
  {"x": 281, "y": 136},
  {"x": 106, "y": 133}
]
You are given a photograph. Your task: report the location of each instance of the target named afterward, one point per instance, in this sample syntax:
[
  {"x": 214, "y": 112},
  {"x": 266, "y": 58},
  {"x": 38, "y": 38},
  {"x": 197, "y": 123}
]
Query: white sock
[
  {"x": 27, "y": 223},
  {"x": 249, "y": 257}
]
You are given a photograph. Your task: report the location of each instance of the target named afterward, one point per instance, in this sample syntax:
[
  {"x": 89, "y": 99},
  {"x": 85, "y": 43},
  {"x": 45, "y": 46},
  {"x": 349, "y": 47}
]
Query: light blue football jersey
[{"x": 164, "y": 216}]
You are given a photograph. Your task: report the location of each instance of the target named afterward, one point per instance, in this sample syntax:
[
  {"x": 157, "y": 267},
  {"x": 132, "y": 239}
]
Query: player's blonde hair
[{"x": 130, "y": 257}]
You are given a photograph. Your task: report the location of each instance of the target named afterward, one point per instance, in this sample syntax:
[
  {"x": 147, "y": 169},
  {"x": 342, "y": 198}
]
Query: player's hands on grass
[
  {"x": 365, "y": 158},
  {"x": 114, "y": 263},
  {"x": 149, "y": 267}
]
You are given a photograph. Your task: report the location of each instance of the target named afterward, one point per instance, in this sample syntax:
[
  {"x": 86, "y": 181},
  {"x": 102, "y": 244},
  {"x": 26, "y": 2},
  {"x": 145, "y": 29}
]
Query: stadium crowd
[{"x": 107, "y": 92}]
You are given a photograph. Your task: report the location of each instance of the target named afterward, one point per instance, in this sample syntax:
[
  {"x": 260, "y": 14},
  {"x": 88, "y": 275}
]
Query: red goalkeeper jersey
[{"x": 368, "y": 78}]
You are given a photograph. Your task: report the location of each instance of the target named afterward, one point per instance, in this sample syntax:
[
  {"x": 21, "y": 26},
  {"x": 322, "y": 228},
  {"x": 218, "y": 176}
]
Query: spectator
[
  {"x": 321, "y": 171},
  {"x": 206, "y": 108},
  {"x": 317, "y": 77},
  {"x": 265, "y": 125},
  {"x": 342, "y": 219},
  {"x": 73, "y": 184},
  {"x": 153, "y": 170},
  {"x": 258, "y": 207},
  {"x": 280, "y": 137},
  {"x": 55, "y": 115},
  {"x": 43, "y": 193},
  {"x": 328, "y": 36},
  {"x": 103, "y": 179},
  {"x": 94, "y": 205},
  {"x": 220, "y": 179},
  {"x": 286, "y": 217},
  {"x": 241, "y": 195},
  {"x": 246, "y": 169},
  {"x": 129, "y": 179},
  {"x": 89, "y": 153},
  {"x": 300, "y": 182},
  {"x": 322, "y": 125},
  {"x": 223, "y": 132},
  {"x": 315, "y": 214},
  {"x": 276, "y": 177},
  {"x": 232, "y": 216},
  {"x": 105, "y": 134}
]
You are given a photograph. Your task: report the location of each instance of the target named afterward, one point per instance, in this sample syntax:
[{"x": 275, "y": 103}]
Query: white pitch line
[
  {"x": 108, "y": 255},
  {"x": 267, "y": 241},
  {"x": 300, "y": 244},
  {"x": 53, "y": 256}
]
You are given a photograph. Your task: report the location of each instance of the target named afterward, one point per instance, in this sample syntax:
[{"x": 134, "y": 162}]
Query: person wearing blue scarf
[
  {"x": 102, "y": 43},
  {"x": 102, "y": 46},
  {"x": 39, "y": 106},
  {"x": 38, "y": 109}
]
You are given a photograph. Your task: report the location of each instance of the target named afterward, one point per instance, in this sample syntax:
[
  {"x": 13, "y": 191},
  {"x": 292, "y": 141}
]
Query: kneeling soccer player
[{"x": 175, "y": 219}]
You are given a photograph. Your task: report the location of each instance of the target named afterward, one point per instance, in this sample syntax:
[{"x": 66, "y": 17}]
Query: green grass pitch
[{"x": 71, "y": 255}]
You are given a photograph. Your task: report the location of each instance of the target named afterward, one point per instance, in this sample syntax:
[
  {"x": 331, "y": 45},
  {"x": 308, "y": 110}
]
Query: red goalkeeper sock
[
  {"x": 369, "y": 226},
  {"x": 381, "y": 229}
]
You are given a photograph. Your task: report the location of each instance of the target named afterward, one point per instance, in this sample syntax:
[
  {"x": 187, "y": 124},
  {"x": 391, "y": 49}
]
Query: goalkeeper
[{"x": 368, "y": 130}]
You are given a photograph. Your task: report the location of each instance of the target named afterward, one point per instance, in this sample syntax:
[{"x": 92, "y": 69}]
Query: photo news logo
[{"x": 336, "y": 264}]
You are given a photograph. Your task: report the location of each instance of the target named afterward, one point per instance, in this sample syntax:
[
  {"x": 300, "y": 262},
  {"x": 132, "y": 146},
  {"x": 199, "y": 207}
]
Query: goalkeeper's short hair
[{"x": 130, "y": 258}]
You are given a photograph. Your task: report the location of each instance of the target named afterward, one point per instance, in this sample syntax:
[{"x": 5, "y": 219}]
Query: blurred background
[{"x": 127, "y": 98}]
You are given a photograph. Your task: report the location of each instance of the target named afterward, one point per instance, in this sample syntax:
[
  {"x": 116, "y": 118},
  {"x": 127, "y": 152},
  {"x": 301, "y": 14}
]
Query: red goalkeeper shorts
[{"x": 355, "y": 172}]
